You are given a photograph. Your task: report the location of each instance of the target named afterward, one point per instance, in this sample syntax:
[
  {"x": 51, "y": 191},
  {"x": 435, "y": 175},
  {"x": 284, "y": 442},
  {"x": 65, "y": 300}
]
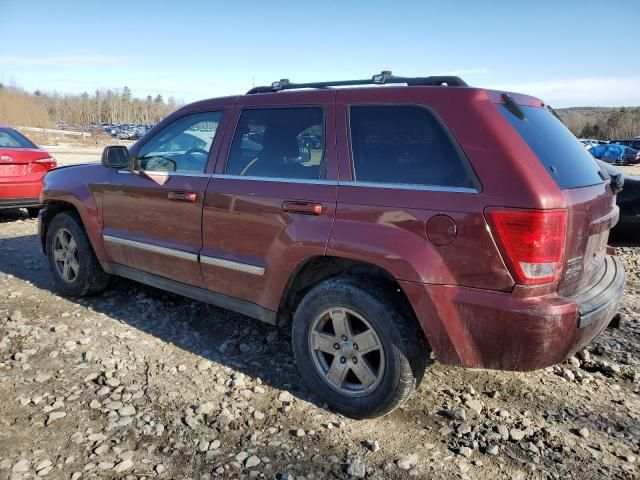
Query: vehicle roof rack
[{"x": 383, "y": 78}]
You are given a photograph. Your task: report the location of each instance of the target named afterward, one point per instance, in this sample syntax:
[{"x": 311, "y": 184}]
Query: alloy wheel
[
  {"x": 346, "y": 351},
  {"x": 65, "y": 255}
]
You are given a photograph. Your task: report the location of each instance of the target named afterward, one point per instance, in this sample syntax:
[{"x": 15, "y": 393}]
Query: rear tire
[
  {"x": 75, "y": 268},
  {"x": 361, "y": 381}
]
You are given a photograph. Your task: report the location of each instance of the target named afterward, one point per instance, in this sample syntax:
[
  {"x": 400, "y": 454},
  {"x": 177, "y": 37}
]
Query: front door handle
[
  {"x": 306, "y": 208},
  {"x": 183, "y": 196}
]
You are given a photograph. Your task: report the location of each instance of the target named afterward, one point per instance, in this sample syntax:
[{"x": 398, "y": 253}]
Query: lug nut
[
  {"x": 355, "y": 360},
  {"x": 343, "y": 360},
  {"x": 336, "y": 346},
  {"x": 344, "y": 338},
  {"x": 355, "y": 346}
]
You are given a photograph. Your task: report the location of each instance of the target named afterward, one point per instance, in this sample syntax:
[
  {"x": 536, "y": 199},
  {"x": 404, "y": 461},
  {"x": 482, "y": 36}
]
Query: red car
[
  {"x": 380, "y": 223},
  {"x": 23, "y": 165}
]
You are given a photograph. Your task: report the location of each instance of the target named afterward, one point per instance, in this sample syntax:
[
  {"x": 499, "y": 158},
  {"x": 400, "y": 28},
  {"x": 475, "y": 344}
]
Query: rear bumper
[
  {"x": 24, "y": 190},
  {"x": 485, "y": 329},
  {"x": 19, "y": 202}
]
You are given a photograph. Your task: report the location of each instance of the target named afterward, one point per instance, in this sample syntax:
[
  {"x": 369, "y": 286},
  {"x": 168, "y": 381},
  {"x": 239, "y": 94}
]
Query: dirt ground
[{"x": 138, "y": 383}]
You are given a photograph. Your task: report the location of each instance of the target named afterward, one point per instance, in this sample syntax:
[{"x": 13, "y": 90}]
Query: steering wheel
[{"x": 196, "y": 150}]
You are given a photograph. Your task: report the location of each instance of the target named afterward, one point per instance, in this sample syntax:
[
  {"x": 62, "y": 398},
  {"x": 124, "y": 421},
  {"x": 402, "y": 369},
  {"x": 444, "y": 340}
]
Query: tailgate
[{"x": 592, "y": 213}]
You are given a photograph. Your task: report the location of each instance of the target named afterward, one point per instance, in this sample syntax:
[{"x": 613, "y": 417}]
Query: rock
[
  {"x": 285, "y": 397},
  {"x": 465, "y": 452},
  {"x": 205, "y": 408},
  {"x": 95, "y": 404},
  {"x": 42, "y": 378},
  {"x": 241, "y": 457},
  {"x": 568, "y": 374},
  {"x": 373, "y": 446},
  {"x": 357, "y": 469},
  {"x": 300, "y": 432},
  {"x": 22, "y": 465},
  {"x": 252, "y": 461},
  {"x": 159, "y": 469},
  {"x": 55, "y": 416},
  {"x": 492, "y": 450},
  {"x": 407, "y": 461},
  {"x": 203, "y": 445},
  {"x": 474, "y": 405},
  {"x": 583, "y": 432},
  {"x": 516, "y": 435},
  {"x": 127, "y": 411},
  {"x": 182, "y": 368},
  {"x": 123, "y": 466},
  {"x": 215, "y": 444},
  {"x": 203, "y": 365},
  {"x": 629, "y": 458},
  {"x": 258, "y": 415}
]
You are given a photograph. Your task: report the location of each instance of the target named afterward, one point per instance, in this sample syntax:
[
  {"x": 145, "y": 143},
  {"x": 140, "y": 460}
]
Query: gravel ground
[{"x": 138, "y": 383}]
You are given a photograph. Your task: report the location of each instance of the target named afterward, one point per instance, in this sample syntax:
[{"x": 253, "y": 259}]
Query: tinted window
[
  {"x": 405, "y": 145},
  {"x": 182, "y": 146},
  {"x": 279, "y": 143},
  {"x": 564, "y": 157},
  {"x": 12, "y": 139}
]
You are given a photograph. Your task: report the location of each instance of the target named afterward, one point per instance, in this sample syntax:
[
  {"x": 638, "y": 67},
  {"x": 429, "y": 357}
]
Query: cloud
[
  {"x": 63, "y": 61},
  {"x": 611, "y": 91}
]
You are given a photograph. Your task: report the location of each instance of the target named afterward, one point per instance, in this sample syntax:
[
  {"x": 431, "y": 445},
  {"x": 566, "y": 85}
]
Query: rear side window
[
  {"x": 12, "y": 139},
  {"x": 285, "y": 143},
  {"x": 564, "y": 157},
  {"x": 405, "y": 144}
]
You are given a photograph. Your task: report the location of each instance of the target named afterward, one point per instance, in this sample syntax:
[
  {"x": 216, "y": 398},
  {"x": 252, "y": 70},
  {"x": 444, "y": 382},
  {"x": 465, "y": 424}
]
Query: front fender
[{"x": 75, "y": 186}]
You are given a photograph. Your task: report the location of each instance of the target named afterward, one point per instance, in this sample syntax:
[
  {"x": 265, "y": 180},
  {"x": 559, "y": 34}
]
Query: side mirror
[
  {"x": 304, "y": 154},
  {"x": 115, "y": 156}
]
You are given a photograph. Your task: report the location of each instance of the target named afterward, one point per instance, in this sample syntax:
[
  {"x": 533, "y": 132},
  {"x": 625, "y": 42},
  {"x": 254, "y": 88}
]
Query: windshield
[
  {"x": 564, "y": 157},
  {"x": 11, "y": 139}
]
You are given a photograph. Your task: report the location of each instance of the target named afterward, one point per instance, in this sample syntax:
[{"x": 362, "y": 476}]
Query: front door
[
  {"x": 271, "y": 205},
  {"x": 153, "y": 213}
]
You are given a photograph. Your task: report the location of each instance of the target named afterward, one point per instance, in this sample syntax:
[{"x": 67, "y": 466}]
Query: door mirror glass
[
  {"x": 115, "y": 156},
  {"x": 304, "y": 154}
]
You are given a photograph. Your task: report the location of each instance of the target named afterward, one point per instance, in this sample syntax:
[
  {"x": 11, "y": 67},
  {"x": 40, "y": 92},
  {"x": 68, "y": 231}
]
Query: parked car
[
  {"x": 635, "y": 143},
  {"x": 22, "y": 167},
  {"x": 400, "y": 236},
  {"x": 616, "y": 154},
  {"x": 628, "y": 200}
]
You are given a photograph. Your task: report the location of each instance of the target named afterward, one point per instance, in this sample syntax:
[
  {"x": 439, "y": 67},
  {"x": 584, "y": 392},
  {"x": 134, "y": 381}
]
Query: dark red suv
[{"x": 382, "y": 223}]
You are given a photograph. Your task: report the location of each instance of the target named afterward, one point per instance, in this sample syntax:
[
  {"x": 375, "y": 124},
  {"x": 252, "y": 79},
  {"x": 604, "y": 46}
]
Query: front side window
[
  {"x": 182, "y": 146},
  {"x": 283, "y": 143},
  {"x": 405, "y": 145}
]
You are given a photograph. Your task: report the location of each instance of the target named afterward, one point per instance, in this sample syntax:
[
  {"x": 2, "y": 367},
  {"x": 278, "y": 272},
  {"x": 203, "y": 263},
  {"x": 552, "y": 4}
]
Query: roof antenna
[{"x": 382, "y": 77}]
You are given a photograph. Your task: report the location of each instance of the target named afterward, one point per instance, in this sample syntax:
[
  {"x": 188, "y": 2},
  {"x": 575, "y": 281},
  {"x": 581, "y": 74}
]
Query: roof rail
[{"x": 383, "y": 78}]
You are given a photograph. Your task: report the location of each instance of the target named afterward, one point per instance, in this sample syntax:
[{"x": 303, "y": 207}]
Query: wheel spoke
[
  {"x": 364, "y": 372},
  {"x": 337, "y": 372},
  {"x": 72, "y": 245},
  {"x": 366, "y": 341},
  {"x": 75, "y": 266},
  {"x": 323, "y": 342},
  {"x": 340, "y": 321},
  {"x": 64, "y": 243},
  {"x": 66, "y": 270},
  {"x": 58, "y": 255}
]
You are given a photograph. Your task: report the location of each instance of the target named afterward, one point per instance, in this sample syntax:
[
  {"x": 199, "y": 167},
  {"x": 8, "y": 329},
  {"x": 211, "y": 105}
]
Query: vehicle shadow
[{"x": 256, "y": 349}]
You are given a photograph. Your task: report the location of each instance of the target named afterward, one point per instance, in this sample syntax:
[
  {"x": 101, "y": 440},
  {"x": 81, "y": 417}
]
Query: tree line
[
  {"x": 602, "y": 123},
  {"x": 40, "y": 109}
]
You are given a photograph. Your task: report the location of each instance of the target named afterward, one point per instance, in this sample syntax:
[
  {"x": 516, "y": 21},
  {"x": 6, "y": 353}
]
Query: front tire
[
  {"x": 360, "y": 350},
  {"x": 75, "y": 268}
]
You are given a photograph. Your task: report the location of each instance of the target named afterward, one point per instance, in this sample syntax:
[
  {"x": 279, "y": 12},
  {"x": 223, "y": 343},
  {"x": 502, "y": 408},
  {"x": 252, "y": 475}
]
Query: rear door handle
[
  {"x": 306, "y": 208},
  {"x": 183, "y": 196}
]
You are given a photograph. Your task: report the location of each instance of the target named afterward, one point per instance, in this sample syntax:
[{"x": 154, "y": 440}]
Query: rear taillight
[
  {"x": 532, "y": 242},
  {"x": 42, "y": 165}
]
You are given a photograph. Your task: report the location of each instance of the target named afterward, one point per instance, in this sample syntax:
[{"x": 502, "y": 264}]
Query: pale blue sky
[{"x": 568, "y": 52}]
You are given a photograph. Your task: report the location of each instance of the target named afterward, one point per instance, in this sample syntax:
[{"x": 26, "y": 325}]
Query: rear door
[
  {"x": 271, "y": 203},
  {"x": 153, "y": 213},
  {"x": 592, "y": 211}
]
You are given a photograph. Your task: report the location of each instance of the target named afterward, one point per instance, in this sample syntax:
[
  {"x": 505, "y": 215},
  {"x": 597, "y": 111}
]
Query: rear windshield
[
  {"x": 12, "y": 139},
  {"x": 564, "y": 157}
]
